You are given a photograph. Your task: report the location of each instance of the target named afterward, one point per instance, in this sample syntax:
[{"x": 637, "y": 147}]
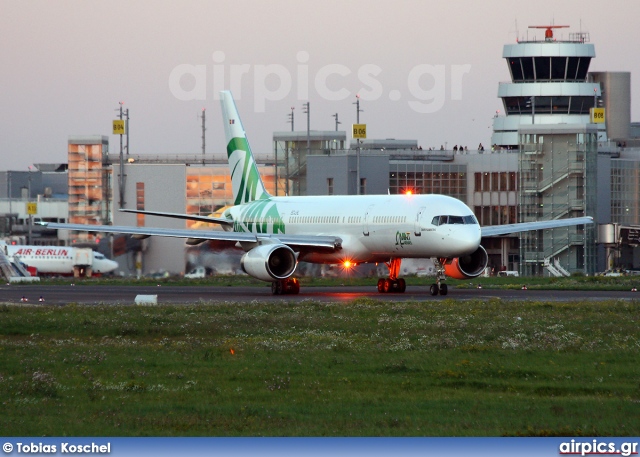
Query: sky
[{"x": 423, "y": 70}]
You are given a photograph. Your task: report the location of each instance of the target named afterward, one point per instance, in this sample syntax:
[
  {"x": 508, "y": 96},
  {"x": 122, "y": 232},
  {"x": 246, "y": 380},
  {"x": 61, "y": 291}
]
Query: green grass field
[{"x": 469, "y": 368}]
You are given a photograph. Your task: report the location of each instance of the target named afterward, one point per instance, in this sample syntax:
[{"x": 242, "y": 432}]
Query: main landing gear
[
  {"x": 438, "y": 287},
  {"x": 285, "y": 287},
  {"x": 392, "y": 283}
]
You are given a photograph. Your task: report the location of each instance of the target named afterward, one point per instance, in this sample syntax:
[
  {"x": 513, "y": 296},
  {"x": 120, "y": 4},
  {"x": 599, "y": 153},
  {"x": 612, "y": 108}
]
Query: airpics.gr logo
[{"x": 403, "y": 238}]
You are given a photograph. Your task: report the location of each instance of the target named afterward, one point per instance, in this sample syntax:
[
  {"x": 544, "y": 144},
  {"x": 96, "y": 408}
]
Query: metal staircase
[
  {"x": 13, "y": 271},
  {"x": 555, "y": 268}
]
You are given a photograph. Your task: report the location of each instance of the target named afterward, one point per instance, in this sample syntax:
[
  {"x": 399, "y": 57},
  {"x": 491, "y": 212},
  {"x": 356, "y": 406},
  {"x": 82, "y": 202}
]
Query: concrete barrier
[{"x": 146, "y": 300}]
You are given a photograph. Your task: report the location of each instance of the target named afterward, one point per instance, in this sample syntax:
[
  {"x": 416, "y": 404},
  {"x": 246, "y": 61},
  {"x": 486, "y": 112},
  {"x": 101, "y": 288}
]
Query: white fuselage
[
  {"x": 60, "y": 260},
  {"x": 372, "y": 228}
]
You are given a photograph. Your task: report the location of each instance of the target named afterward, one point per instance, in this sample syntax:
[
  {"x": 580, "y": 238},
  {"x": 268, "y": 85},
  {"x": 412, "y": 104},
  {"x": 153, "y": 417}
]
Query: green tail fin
[{"x": 245, "y": 179}]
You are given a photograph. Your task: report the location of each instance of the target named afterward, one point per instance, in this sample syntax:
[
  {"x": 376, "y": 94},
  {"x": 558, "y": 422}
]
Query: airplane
[
  {"x": 276, "y": 232},
  {"x": 60, "y": 260}
]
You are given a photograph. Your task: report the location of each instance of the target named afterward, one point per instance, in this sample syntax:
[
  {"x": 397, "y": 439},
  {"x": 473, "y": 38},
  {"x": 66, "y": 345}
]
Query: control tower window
[
  {"x": 583, "y": 67},
  {"x": 580, "y": 105},
  {"x": 558, "y": 67},
  {"x": 527, "y": 68},
  {"x": 516, "y": 69},
  {"x": 543, "y": 105},
  {"x": 560, "y": 105},
  {"x": 572, "y": 68},
  {"x": 514, "y": 105},
  {"x": 543, "y": 68},
  {"x": 548, "y": 105}
]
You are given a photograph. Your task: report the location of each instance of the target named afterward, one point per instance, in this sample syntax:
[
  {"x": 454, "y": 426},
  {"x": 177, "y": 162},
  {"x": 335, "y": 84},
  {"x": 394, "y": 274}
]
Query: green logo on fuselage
[
  {"x": 259, "y": 216},
  {"x": 403, "y": 238}
]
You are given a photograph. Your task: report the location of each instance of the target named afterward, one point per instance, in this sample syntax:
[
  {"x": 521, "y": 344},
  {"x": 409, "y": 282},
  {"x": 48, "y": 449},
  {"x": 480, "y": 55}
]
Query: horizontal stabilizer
[{"x": 189, "y": 217}]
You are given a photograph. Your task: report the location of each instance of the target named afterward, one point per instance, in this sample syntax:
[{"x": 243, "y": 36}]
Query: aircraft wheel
[
  {"x": 386, "y": 286},
  {"x": 381, "y": 285},
  {"x": 276, "y": 288},
  {"x": 443, "y": 289},
  {"x": 434, "y": 289},
  {"x": 402, "y": 285}
]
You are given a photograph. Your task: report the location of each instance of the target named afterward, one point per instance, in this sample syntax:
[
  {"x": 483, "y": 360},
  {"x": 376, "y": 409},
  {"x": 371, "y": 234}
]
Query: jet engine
[
  {"x": 468, "y": 266},
  {"x": 269, "y": 262}
]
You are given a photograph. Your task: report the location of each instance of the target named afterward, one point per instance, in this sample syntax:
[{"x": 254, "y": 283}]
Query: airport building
[
  {"x": 46, "y": 186},
  {"x": 551, "y": 157}
]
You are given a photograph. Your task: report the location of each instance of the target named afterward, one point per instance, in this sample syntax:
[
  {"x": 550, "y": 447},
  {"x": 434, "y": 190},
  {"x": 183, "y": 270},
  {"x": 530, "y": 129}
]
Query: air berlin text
[{"x": 51, "y": 252}]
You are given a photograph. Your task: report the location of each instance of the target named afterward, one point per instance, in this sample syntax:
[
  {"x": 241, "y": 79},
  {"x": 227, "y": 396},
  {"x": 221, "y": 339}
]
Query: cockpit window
[{"x": 442, "y": 220}]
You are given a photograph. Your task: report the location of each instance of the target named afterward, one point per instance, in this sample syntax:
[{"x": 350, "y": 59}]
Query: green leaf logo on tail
[{"x": 245, "y": 179}]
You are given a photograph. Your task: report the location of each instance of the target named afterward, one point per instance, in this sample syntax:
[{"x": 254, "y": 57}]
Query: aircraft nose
[
  {"x": 467, "y": 238},
  {"x": 111, "y": 265}
]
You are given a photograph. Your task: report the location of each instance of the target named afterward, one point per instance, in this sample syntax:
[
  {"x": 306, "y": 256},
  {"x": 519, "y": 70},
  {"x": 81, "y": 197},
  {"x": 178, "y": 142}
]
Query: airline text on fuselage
[{"x": 42, "y": 252}]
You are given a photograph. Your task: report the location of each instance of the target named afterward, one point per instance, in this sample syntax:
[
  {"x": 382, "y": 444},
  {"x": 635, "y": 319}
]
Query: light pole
[
  {"x": 204, "y": 129},
  {"x": 337, "y": 121},
  {"x": 307, "y": 110},
  {"x": 122, "y": 176},
  {"x": 532, "y": 104},
  {"x": 29, "y": 201},
  {"x": 358, "y": 110},
  {"x": 9, "y": 190},
  {"x": 290, "y": 121}
]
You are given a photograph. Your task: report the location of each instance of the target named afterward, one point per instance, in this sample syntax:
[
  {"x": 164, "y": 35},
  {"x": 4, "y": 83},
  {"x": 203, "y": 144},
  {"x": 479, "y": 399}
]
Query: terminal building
[{"x": 550, "y": 158}]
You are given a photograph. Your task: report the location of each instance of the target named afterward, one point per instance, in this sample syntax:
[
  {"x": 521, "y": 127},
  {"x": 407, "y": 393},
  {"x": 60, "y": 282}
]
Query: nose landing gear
[{"x": 438, "y": 287}]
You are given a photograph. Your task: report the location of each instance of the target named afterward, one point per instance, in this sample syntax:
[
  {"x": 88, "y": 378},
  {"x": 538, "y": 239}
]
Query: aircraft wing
[
  {"x": 294, "y": 241},
  {"x": 190, "y": 217},
  {"x": 493, "y": 230}
]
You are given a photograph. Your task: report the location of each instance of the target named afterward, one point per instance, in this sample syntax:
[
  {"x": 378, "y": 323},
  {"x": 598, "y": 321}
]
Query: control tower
[{"x": 549, "y": 84}]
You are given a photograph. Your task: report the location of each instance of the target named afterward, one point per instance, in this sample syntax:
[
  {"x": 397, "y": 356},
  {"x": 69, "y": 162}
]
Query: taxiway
[{"x": 101, "y": 294}]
